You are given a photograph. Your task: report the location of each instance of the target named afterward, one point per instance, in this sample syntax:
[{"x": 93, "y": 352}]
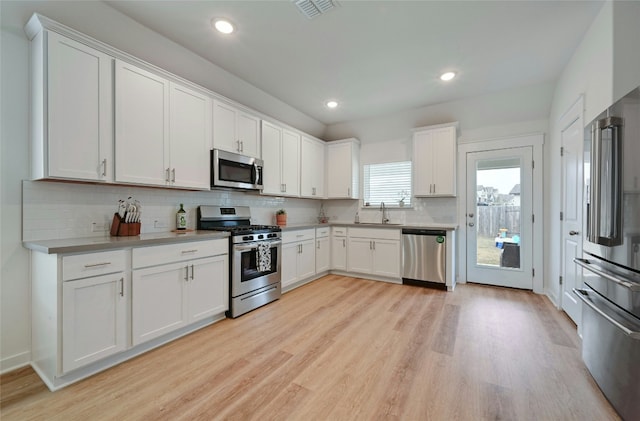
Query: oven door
[{"x": 254, "y": 266}]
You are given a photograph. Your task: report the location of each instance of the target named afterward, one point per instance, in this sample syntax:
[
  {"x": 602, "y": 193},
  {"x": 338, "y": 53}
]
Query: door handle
[
  {"x": 574, "y": 232},
  {"x": 471, "y": 224},
  {"x": 470, "y": 215}
]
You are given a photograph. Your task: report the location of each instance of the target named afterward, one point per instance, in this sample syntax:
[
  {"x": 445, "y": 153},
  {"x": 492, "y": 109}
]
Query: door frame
[
  {"x": 536, "y": 141},
  {"x": 574, "y": 113}
]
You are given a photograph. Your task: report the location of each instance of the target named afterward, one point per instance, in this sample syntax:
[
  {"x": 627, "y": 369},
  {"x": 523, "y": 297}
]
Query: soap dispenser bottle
[{"x": 357, "y": 219}]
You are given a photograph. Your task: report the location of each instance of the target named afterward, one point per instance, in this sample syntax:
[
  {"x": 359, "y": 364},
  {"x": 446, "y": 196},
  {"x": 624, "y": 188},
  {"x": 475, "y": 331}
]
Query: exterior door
[
  {"x": 499, "y": 217},
  {"x": 571, "y": 219}
]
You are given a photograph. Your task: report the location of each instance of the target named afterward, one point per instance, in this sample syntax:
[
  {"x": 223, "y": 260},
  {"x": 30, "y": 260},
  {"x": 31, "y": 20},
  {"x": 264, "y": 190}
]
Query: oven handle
[
  {"x": 253, "y": 246},
  {"x": 586, "y": 264},
  {"x": 583, "y": 294}
]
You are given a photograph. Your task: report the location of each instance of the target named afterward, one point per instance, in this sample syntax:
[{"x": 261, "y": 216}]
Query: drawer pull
[
  {"x": 95, "y": 265},
  {"x": 122, "y": 287},
  {"x": 189, "y": 251}
]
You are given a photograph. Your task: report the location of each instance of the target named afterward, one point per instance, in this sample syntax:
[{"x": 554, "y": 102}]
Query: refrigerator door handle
[
  {"x": 586, "y": 264},
  {"x": 583, "y": 294}
]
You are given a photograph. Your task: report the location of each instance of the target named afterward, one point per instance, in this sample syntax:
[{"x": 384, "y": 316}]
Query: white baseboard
[{"x": 15, "y": 362}]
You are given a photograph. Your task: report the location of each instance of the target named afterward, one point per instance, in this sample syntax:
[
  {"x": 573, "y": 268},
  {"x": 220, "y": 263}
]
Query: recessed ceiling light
[
  {"x": 223, "y": 26},
  {"x": 447, "y": 76},
  {"x": 332, "y": 104}
]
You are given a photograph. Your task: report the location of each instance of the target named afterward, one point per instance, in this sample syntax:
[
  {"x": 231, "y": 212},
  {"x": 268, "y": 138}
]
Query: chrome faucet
[{"x": 385, "y": 218}]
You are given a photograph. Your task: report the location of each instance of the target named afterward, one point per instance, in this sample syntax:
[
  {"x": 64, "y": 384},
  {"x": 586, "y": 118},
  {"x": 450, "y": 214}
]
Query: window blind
[{"x": 388, "y": 182}]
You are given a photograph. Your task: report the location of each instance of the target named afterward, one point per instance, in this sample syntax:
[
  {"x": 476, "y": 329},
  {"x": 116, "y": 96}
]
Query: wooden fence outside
[{"x": 491, "y": 219}]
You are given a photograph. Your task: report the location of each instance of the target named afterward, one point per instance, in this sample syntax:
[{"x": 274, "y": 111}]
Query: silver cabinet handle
[
  {"x": 189, "y": 251},
  {"x": 173, "y": 175},
  {"x": 584, "y": 297},
  {"x": 374, "y": 245},
  {"x": 318, "y": 244},
  {"x": 104, "y": 167},
  {"x": 166, "y": 174},
  {"x": 471, "y": 224},
  {"x": 122, "y": 287},
  {"x": 186, "y": 274},
  {"x": 95, "y": 265},
  {"x": 241, "y": 146},
  {"x": 192, "y": 272},
  {"x": 574, "y": 232},
  {"x": 238, "y": 147},
  {"x": 349, "y": 191},
  {"x": 470, "y": 215},
  {"x": 344, "y": 243}
]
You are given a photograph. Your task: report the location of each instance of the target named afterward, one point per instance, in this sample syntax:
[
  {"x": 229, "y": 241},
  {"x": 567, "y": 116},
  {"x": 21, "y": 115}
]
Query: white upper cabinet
[
  {"x": 190, "y": 137},
  {"x": 72, "y": 110},
  {"x": 434, "y": 161},
  {"x": 343, "y": 169},
  {"x": 312, "y": 168},
  {"x": 281, "y": 156},
  {"x": 163, "y": 131},
  {"x": 235, "y": 130},
  {"x": 142, "y": 126}
]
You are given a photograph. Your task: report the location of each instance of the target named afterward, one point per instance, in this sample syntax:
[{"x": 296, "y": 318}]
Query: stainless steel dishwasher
[{"x": 424, "y": 256}]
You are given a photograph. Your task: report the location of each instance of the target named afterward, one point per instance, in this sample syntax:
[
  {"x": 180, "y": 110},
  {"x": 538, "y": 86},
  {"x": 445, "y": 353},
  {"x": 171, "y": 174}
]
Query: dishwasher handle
[{"x": 420, "y": 231}]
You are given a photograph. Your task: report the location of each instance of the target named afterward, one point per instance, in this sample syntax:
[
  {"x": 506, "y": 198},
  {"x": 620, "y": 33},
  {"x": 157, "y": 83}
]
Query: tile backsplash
[{"x": 57, "y": 210}]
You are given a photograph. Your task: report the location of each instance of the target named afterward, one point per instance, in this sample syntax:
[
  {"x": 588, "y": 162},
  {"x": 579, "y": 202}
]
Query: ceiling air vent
[{"x": 314, "y": 8}]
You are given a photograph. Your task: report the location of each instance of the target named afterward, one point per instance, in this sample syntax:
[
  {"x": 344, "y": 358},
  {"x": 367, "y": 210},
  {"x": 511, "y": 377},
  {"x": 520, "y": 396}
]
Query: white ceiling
[{"x": 377, "y": 57}]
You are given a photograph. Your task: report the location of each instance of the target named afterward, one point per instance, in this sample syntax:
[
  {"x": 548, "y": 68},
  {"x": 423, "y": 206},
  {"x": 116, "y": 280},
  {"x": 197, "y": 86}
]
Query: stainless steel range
[{"x": 254, "y": 256}]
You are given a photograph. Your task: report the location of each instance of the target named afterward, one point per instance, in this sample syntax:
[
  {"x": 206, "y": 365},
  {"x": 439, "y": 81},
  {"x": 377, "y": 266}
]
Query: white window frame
[{"x": 392, "y": 202}]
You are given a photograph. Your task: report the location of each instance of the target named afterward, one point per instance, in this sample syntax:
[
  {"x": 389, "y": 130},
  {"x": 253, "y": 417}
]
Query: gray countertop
[
  {"x": 85, "y": 244},
  {"x": 447, "y": 227}
]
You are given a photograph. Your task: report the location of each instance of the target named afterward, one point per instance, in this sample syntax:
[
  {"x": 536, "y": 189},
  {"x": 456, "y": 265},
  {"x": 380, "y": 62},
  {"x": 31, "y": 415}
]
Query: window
[{"x": 389, "y": 182}]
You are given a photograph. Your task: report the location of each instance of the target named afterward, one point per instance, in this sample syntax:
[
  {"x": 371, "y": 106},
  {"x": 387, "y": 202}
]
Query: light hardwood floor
[{"x": 345, "y": 348}]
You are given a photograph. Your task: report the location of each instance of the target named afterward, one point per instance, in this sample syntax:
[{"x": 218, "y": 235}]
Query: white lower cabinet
[
  {"x": 374, "y": 251},
  {"x": 339, "y": 248},
  {"x": 323, "y": 250},
  {"x": 298, "y": 256},
  {"x": 169, "y": 296},
  {"x": 94, "y": 319}
]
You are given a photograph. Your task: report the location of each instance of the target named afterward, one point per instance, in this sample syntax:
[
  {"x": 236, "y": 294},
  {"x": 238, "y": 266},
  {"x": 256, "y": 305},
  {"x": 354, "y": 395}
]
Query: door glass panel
[{"x": 498, "y": 216}]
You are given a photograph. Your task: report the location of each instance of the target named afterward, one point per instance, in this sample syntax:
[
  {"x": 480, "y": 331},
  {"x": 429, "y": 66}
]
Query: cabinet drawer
[
  {"x": 322, "y": 232},
  {"x": 157, "y": 255},
  {"x": 381, "y": 233},
  {"x": 339, "y": 231},
  {"x": 299, "y": 235},
  {"x": 93, "y": 264}
]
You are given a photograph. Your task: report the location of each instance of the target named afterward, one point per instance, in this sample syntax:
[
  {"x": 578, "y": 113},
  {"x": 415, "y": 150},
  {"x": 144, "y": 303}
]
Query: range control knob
[
  {"x": 247, "y": 238},
  {"x": 260, "y": 237}
]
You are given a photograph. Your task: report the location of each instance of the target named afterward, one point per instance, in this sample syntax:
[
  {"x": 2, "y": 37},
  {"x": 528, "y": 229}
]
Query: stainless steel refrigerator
[{"x": 611, "y": 263}]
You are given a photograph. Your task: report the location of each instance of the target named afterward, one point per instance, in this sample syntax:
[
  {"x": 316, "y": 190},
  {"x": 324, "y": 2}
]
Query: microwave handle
[{"x": 257, "y": 174}]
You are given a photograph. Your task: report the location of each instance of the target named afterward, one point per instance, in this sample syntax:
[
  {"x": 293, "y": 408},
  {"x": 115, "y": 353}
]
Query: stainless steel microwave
[{"x": 231, "y": 170}]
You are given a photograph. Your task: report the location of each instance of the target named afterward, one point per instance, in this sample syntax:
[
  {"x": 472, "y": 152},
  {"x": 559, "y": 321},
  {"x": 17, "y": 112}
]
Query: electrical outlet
[
  {"x": 160, "y": 224},
  {"x": 99, "y": 227}
]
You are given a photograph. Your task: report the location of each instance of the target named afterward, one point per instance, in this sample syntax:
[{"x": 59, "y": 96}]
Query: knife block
[{"x": 119, "y": 228}]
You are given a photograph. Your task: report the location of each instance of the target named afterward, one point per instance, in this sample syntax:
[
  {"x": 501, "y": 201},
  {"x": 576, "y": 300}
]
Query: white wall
[
  {"x": 100, "y": 21},
  {"x": 605, "y": 66}
]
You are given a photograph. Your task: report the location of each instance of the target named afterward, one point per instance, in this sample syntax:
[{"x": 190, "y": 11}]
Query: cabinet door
[
  {"x": 80, "y": 111},
  {"x": 422, "y": 163},
  {"x": 271, "y": 155},
  {"x": 444, "y": 161},
  {"x": 94, "y": 319},
  {"x": 386, "y": 258},
  {"x": 322, "y": 254},
  {"x": 340, "y": 171},
  {"x": 158, "y": 302},
  {"x": 289, "y": 266},
  {"x": 208, "y": 287},
  {"x": 360, "y": 251},
  {"x": 248, "y": 131},
  {"x": 307, "y": 259},
  {"x": 224, "y": 128},
  {"x": 190, "y": 138},
  {"x": 339, "y": 253},
  {"x": 290, "y": 163},
  {"x": 142, "y": 126},
  {"x": 312, "y": 162}
]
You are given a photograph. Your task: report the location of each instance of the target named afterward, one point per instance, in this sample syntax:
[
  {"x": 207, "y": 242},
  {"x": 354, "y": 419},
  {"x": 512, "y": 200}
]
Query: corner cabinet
[
  {"x": 281, "y": 156},
  {"x": 163, "y": 130},
  {"x": 343, "y": 169},
  {"x": 71, "y": 108},
  {"x": 434, "y": 160},
  {"x": 235, "y": 130},
  {"x": 312, "y": 168},
  {"x": 323, "y": 250},
  {"x": 339, "y": 248}
]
